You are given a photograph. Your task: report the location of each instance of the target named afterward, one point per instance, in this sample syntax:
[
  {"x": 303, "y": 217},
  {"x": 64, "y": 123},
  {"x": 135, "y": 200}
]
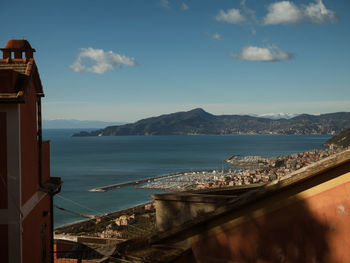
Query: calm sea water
[{"x": 84, "y": 163}]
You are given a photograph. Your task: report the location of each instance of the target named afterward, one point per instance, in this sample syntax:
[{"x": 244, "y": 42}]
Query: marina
[{"x": 113, "y": 186}]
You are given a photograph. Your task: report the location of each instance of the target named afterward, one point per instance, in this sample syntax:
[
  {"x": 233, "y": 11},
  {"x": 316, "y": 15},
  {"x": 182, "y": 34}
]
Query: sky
[{"x": 114, "y": 60}]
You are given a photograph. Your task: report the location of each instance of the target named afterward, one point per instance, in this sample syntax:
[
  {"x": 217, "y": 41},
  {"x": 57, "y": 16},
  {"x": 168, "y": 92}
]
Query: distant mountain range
[
  {"x": 66, "y": 124},
  {"x": 198, "y": 121},
  {"x": 276, "y": 116}
]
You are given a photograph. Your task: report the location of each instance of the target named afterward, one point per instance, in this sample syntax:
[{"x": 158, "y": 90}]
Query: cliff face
[
  {"x": 198, "y": 121},
  {"x": 342, "y": 139}
]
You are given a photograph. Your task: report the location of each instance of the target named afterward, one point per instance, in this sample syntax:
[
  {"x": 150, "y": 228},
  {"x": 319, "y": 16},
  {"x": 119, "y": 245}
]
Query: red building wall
[
  {"x": 29, "y": 145},
  {"x": 45, "y": 161},
  {"x": 34, "y": 233},
  {"x": 25, "y": 226},
  {"x": 310, "y": 226}
]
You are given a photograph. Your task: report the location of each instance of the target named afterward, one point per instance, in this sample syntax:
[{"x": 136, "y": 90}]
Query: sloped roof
[
  {"x": 15, "y": 75},
  {"x": 18, "y": 66},
  {"x": 18, "y": 44}
]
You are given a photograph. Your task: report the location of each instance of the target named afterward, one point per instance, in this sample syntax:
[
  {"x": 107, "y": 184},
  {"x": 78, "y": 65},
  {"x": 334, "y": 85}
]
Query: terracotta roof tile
[
  {"x": 18, "y": 44},
  {"x": 19, "y": 67}
]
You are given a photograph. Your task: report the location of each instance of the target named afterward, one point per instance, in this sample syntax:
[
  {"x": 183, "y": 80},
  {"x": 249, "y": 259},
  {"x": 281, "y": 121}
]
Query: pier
[{"x": 136, "y": 182}]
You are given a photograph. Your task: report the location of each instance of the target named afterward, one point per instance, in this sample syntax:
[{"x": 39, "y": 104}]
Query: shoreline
[
  {"x": 106, "y": 225},
  {"x": 196, "y": 134},
  {"x": 244, "y": 170},
  {"x": 261, "y": 170}
]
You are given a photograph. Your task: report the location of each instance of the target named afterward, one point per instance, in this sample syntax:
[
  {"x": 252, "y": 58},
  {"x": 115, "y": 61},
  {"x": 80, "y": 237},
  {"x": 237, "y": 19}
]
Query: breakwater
[{"x": 136, "y": 182}]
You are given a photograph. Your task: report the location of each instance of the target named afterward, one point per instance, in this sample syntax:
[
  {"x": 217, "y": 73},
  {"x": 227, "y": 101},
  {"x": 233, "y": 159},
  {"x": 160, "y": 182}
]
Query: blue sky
[{"x": 125, "y": 60}]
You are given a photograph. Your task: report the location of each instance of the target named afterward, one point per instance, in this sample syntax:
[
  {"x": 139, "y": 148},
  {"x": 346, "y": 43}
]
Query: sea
[{"x": 84, "y": 163}]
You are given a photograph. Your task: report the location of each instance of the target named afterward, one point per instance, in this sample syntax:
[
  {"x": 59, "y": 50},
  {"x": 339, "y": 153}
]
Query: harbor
[
  {"x": 244, "y": 171},
  {"x": 113, "y": 186}
]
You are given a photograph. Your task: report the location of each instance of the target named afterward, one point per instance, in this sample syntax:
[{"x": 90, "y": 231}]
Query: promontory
[{"x": 198, "y": 122}]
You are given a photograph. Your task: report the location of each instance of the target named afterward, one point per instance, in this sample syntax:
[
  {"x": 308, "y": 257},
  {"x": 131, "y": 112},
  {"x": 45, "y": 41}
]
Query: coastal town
[
  {"x": 248, "y": 170},
  {"x": 244, "y": 171}
]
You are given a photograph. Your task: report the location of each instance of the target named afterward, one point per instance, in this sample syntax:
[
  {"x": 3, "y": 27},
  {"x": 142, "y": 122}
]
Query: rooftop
[
  {"x": 18, "y": 44},
  {"x": 17, "y": 71}
]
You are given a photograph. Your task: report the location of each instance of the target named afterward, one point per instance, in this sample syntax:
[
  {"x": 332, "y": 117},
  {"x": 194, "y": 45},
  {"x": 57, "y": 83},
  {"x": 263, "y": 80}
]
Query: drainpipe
[{"x": 40, "y": 142}]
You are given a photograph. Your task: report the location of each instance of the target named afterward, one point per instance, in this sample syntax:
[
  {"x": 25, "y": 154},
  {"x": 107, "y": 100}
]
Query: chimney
[{"x": 17, "y": 47}]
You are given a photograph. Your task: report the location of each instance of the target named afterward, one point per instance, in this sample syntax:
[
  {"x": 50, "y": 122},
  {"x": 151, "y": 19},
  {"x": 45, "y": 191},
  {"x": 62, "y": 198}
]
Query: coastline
[
  {"x": 183, "y": 157},
  {"x": 244, "y": 170},
  {"x": 141, "y": 217}
]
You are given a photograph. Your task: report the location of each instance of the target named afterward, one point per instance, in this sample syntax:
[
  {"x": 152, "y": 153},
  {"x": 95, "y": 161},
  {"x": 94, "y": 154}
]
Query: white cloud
[
  {"x": 100, "y": 61},
  {"x": 232, "y": 16},
  {"x": 283, "y": 12},
  {"x": 184, "y": 6},
  {"x": 317, "y": 13},
  {"x": 286, "y": 12},
  {"x": 164, "y": 3},
  {"x": 272, "y": 53},
  {"x": 216, "y": 36}
]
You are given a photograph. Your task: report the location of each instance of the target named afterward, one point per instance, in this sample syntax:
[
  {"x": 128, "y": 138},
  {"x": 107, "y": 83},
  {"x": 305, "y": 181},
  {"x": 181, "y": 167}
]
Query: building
[
  {"x": 302, "y": 217},
  {"x": 26, "y": 188}
]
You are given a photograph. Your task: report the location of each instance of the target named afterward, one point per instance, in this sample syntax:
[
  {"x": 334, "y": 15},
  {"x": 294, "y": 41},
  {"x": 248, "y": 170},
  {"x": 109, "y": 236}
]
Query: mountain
[
  {"x": 198, "y": 121},
  {"x": 342, "y": 139},
  {"x": 276, "y": 116},
  {"x": 77, "y": 124}
]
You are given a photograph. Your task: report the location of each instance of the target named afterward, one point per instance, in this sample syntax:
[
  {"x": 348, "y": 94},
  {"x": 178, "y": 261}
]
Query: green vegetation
[
  {"x": 144, "y": 223},
  {"x": 342, "y": 139},
  {"x": 198, "y": 121}
]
